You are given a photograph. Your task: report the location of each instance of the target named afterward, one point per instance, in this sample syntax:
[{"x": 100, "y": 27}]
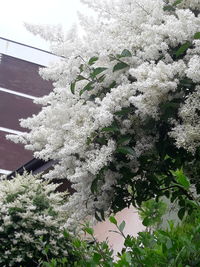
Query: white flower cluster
[
  {"x": 30, "y": 219},
  {"x": 145, "y": 77},
  {"x": 187, "y": 134}
]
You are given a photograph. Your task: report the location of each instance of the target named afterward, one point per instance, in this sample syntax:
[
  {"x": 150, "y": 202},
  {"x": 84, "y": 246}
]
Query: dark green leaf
[
  {"x": 72, "y": 87},
  {"x": 183, "y": 49},
  {"x": 80, "y": 77},
  {"x": 113, "y": 220},
  {"x": 177, "y": 2},
  {"x": 97, "y": 71},
  {"x": 123, "y": 111},
  {"x": 88, "y": 87},
  {"x": 101, "y": 79},
  {"x": 96, "y": 257},
  {"x": 121, "y": 226},
  {"x": 168, "y": 8},
  {"x": 101, "y": 140},
  {"x": 181, "y": 213},
  {"x": 126, "y": 150},
  {"x": 81, "y": 67},
  {"x": 94, "y": 185},
  {"x": 110, "y": 129},
  {"x": 112, "y": 85},
  {"x": 126, "y": 53},
  {"x": 120, "y": 66},
  {"x": 197, "y": 35},
  {"x": 102, "y": 214},
  {"x": 146, "y": 221},
  {"x": 124, "y": 139},
  {"x": 97, "y": 217},
  {"x": 92, "y": 60}
]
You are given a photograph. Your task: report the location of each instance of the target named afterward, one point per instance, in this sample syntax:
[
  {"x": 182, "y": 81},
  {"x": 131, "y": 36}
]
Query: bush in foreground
[{"x": 31, "y": 221}]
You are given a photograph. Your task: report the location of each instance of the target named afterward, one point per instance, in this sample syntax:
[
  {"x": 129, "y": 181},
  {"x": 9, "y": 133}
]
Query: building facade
[{"x": 20, "y": 84}]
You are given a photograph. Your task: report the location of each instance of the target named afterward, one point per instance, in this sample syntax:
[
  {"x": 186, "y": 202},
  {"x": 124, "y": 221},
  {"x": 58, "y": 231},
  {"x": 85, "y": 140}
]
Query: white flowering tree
[{"x": 123, "y": 121}]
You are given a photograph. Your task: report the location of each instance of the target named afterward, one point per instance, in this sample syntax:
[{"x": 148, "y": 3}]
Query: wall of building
[
  {"x": 20, "y": 84},
  {"x": 104, "y": 230}
]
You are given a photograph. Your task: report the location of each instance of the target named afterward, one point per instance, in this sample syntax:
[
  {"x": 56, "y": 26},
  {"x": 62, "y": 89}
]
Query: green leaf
[
  {"x": 123, "y": 111},
  {"x": 102, "y": 214},
  {"x": 89, "y": 230},
  {"x": 81, "y": 67},
  {"x": 181, "y": 178},
  {"x": 97, "y": 217},
  {"x": 126, "y": 53},
  {"x": 101, "y": 79},
  {"x": 96, "y": 257},
  {"x": 97, "y": 71},
  {"x": 112, "y": 85},
  {"x": 94, "y": 185},
  {"x": 146, "y": 221},
  {"x": 177, "y": 2},
  {"x": 101, "y": 140},
  {"x": 100, "y": 217},
  {"x": 92, "y": 60},
  {"x": 110, "y": 129},
  {"x": 88, "y": 87},
  {"x": 197, "y": 35},
  {"x": 182, "y": 49},
  {"x": 121, "y": 226},
  {"x": 120, "y": 66},
  {"x": 72, "y": 87},
  {"x": 124, "y": 139},
  {"x": 113, "y": 220},
  {"x": 168, "y": 8},
  {"x": 181, "y": 213},
  {"x": 80, "y": 77},
  {"x": 77, "y": 243},
  {"x": 126, "y": 150}
]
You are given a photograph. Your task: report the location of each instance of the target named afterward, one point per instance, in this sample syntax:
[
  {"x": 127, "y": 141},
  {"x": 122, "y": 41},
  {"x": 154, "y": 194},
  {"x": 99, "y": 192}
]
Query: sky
[{"x": 15, "y": 12}]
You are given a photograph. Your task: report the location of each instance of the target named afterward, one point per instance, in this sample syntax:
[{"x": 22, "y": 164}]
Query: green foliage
[
  {"x": 182, "y": 49},
  {"x": 151, "y": 212},
  {"x": 177, "y": 246},
  {"x": 92, "y": 60},
  {"x": 119, "y": 66},
  {"x": 197, "y": 35}
]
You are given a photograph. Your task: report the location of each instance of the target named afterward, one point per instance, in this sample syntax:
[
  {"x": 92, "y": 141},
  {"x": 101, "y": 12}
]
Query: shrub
[
  {"x": 31, "y": 221},
  {"x": 176, "y": 246}
]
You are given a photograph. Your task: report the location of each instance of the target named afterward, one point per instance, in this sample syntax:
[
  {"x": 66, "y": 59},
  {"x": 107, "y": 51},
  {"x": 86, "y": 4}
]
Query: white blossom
[{"x": 66, "y": 128}]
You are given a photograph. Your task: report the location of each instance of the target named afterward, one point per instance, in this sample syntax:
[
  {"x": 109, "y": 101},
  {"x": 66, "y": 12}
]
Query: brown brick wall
[
  {"x": 12, "y": 155},
  {"x": 13, "y": 108},
  {"x": 23, "y": 77}
]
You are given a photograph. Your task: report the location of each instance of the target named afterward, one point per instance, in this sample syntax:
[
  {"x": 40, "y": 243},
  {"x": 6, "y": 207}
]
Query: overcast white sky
[{"x": 15, "y": 12}]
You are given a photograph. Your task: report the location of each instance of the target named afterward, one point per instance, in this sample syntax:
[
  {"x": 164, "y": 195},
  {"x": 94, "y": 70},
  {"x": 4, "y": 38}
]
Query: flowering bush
[
  {"x": 125, "y": 108},
  {"x": 31, "y": 221}
]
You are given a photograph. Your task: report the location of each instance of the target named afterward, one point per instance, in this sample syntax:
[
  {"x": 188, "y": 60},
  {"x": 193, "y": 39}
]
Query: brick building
[{"x": 20, "y": 84}]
